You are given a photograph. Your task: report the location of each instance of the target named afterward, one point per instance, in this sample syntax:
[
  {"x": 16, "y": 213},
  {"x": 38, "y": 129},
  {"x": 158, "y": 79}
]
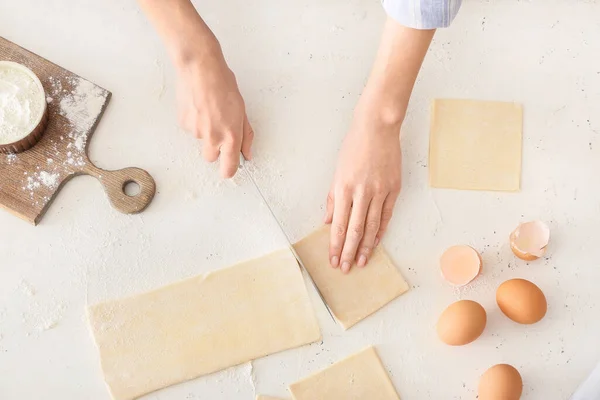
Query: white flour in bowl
[{"x": 22, "y": 102}]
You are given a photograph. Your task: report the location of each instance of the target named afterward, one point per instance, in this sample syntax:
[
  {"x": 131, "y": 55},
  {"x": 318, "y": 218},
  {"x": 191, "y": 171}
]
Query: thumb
[
  {"x": 247, "y": 138},
  {"x": 329, "y": 212}
]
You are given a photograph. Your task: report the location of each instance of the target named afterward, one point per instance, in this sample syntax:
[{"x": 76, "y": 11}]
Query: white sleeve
[{"x": 422, "y": 14}]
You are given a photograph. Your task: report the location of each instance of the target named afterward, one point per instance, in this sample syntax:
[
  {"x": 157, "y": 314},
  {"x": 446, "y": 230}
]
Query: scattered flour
[
  {"x": 252, "y": 376},
  {"x": 56, "y": 85},
  {"x": 32, "y": 184},
  {"x": 49, "y": 180},
  {"x": 42, "y": 314},
  {"x": 41, "y": 179},
  {"x": 41, "y": 318},
  {"x": 11, "y": 158},
  {"x": 51, "y": 321},
  {"x": 80, "y": 106},
  {"x": 27, "y": 288}
]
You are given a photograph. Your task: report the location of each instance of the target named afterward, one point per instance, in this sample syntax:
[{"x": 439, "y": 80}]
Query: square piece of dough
[
  {"x": 354, "y": 296},
  {"x": 475, "y": 145},
  {"x": 358, "y": 377},
  {"x": 203, "y": 324}
]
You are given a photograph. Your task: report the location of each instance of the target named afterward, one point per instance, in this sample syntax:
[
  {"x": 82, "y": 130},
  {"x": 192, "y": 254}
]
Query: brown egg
[
  {"x": 461, "y": 323},
  {"x": 521, "y": 301},
  {"x": 500, "y": 382}
]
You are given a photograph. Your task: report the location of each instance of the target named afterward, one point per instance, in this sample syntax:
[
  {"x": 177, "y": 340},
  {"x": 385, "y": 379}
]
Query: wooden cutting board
[{"x": 29, "y": 181}]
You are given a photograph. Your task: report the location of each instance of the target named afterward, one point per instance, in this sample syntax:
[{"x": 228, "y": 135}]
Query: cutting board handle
[{"x": 114, "y": 183}]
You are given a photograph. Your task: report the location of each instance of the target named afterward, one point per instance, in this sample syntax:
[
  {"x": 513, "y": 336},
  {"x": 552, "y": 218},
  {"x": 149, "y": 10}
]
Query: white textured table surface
[{"x": 301, "y": 66}]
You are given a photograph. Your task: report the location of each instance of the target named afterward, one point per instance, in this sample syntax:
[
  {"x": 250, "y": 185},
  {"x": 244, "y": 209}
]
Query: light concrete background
[{"x": 301, "y": 65}]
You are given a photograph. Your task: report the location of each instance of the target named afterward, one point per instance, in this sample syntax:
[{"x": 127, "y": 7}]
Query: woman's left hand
[{"x": 365, "y": 187}]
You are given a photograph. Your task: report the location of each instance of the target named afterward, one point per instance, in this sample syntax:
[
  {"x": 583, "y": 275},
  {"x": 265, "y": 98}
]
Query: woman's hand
[
  {"x": 365, "y": 188},
  {"x": 210, "y": 104},
  {"x": 367, "y": 178},
  {"x": 211, "y": 107}
]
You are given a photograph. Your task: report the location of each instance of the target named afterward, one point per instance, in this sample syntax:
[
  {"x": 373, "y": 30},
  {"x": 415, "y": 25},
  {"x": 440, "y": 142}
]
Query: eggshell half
[
  {"x": 529, "y": 240},
  {"x": 522, "y": 301},
  {"x": 501, "y": 382},
  {"x": 461, "y": 323},
  {"x": 460, "y": 264}
]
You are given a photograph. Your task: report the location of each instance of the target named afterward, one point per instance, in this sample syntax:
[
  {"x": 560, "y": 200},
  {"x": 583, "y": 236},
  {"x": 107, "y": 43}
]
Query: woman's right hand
[
  {"x": 211, "y": 107},
  {"x": 210, "y": 104}
]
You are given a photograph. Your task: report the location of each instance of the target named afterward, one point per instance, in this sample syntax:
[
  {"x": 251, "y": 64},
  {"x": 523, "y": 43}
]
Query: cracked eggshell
[
  {"x": 530, "y": 240},
  {"x": 460, "y": 264}
]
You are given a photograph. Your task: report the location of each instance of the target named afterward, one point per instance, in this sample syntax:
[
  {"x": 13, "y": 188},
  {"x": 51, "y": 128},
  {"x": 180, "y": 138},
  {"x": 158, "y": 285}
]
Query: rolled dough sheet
[
  {"x": 261, "y": 397},
  {"x": 475, "y": 145},
  {"x": 202, "y": 325},
  {"x": 354, "y": 296},
  {"x": 358, "y": 377}
]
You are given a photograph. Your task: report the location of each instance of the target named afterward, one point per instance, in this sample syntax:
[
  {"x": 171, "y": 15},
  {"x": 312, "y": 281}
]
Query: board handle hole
[{"x": 131, "y": 188}]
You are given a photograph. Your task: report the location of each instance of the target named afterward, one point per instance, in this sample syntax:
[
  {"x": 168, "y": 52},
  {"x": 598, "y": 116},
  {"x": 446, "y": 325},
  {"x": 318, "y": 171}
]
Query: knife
[
  {"x": 289, "y": 243},
  {"x": 590, "y": 388}
]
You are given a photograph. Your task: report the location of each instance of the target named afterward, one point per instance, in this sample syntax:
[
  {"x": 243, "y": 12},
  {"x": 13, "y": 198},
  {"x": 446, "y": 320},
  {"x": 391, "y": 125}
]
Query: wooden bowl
[{"x": 35, "y": 129}]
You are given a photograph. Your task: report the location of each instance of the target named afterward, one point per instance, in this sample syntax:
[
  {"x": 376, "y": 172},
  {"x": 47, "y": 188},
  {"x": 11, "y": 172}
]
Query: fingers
[
  {"x": 228, "y": 153},
  {"x": 386, "y": 215},
  {"x": 210, "y": 151},
  {"x": 356, "y": 230},
  {"x": 357, "y": 226},
  {"x": 226, "y": 146},
  {"x": 372, "y": 225},
  {"x": 230, "y": 159},
  {"x": 329, "y": 212},
  {"x": 247, "y": 138},
  {"x": 212, "y": 108},
  {"x": 339, "y": 226}
]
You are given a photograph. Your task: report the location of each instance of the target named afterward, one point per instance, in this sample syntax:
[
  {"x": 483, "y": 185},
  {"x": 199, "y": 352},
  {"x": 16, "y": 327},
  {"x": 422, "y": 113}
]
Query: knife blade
[
  {"x": 590, "y": 388},
  {"x": 289, "y": 243}
]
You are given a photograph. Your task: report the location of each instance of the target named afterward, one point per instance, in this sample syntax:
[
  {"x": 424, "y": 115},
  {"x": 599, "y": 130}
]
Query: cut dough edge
[
  {"x": 350, "y": 297},
  {"x": 398, "y": 286},
  {"x": 361, "y": 373},
  {"x": 168, "y": 330}
]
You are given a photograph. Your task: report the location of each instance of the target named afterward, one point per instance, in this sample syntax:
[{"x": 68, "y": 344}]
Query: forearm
[
  {"x": 181, "y": 28},
  {"x": 397, "y": 64}
]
